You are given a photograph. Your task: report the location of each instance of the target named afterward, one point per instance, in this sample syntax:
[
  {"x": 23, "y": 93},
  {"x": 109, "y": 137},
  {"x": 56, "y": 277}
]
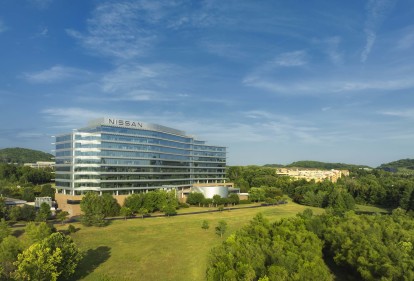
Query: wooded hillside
[{"x": 23, "y": 155}]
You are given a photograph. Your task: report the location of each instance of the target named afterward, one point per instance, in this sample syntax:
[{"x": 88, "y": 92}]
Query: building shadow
[{"x": 93, "y": 258}]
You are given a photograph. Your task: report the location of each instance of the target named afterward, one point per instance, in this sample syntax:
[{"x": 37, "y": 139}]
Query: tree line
[
  {"x": 374, "y": 187},
  {"x": 25, "y": 183},
  {"x": 96, "y": 208}
]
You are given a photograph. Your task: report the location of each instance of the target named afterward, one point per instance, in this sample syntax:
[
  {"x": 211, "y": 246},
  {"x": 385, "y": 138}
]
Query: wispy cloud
[
  {"x": 327, "y": 85},
  {"x": 407, "y": 40},
  {"x": 331, "y": 47},
  {"x": 296, "y": 58},
  {"x": 55, "y": 74},
  {"x": 68, "y": 118},
  {"x": 41, "y": 4},
  {"x": 3, "y": 27},
  {"x": 141, "y": 82},
  {"x": 377, "y": 11},
  {"x": 122, "y": 30},
  {"x": 404, "y": 113}
]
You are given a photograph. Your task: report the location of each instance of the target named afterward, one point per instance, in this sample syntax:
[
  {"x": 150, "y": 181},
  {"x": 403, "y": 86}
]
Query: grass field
[
  {"x": 370, "y": 209},
  {"x": 174, "y": 248}
]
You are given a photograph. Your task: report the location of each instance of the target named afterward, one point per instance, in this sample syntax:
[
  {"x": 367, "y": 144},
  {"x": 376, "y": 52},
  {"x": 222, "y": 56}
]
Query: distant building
[
  {"x": 40, "y": 165},
  {"x": 13, "y": 202},
  {"x": 313, "y": 174},
  {"x": 40, "y": 200}
]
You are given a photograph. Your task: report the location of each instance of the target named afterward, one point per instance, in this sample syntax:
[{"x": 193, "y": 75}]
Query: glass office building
[{"x": 123, "y": 157}]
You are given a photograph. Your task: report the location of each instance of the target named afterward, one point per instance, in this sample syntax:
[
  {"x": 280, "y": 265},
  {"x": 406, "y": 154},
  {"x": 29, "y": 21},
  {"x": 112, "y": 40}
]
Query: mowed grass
[
  {"x": 165, "y": 248},
  {"x": 370, "y": 209}
]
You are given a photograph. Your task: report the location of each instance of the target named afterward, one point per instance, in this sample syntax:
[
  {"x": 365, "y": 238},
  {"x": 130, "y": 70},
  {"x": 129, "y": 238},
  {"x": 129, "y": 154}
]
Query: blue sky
[{"x": 274, "y": 81}]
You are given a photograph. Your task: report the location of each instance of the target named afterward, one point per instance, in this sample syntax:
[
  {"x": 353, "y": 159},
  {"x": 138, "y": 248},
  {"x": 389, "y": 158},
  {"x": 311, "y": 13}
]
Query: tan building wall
[{"x": 74, "y": 209}]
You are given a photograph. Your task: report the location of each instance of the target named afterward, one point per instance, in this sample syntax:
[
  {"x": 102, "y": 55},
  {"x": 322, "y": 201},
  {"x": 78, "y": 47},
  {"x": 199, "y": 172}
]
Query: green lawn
[
  {"x": 370, "y": 209},
  {"x": 174, "y": 248}
]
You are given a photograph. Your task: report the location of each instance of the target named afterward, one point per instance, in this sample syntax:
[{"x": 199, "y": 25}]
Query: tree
[
  {"x": 126, "y": 212},
  {"x": 62, "y": 216},
  {"x": 283, "y": 250},
  {"x": 15, "y": 213},
  {"x": 36, "y": 233},
  {"x": 221, "y": 228},
  {"x": 54, "y": 257},
  {"x": 95, "y": 208},
  {"x": 110, "y": 206},
  {"x": 28, "y": 213},
  {"x": 256, "y": 194},
  {"x": 233, "y": 198},
  {"x": 205, "y": 225},
  {"x": 216, "y": 199},
  {"x": 3, "y": 209},
  {"x": 143, "y": 212},
  {"x": 10, "y": 247},
  {"x": 44, "y": 212},
  {"x": 47, "y": 191},
  {"x": 170, "y": 210},
  {"x": 4, "y": 229},
  {"x": 195, "y": 198}
]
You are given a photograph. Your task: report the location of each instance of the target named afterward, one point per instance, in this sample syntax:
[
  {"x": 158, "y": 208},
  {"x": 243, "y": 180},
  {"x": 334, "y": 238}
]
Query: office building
[{"x": 122, "y": 157}]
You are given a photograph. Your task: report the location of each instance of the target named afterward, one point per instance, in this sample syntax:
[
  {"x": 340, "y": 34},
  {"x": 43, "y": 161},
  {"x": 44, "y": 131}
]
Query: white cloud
[
  {"x": 403, "y": 113},
  {"x": 55, "y": 74},
  {"x": 296, "y": 58},
  {"x": 377, "y": 11}
]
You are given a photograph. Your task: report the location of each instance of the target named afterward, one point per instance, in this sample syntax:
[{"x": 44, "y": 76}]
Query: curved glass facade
[{"x": 113, "y": 155}]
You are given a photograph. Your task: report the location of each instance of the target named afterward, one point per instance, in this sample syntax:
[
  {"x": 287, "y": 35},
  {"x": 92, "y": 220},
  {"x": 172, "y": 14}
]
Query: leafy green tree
[
  {"x": 44, "y": 212},
  {"x": 221, "y": 228},
  {"x": 4, "y": 229},
  {"x": 54, "y": 257},
  {"x": 93, "y": 209},
  {"x": 3, "y": 209},
  {"x": 126, "y": 212},
  {"x": 62, "y": 216},
  {"x": 233, "y": 199},
  {"x": 135, "y": 201},
  {"x": 10, "y": 247},
  {"x": 284, "y": 250},
  {"x": 170, "y": 210},
  {"x": 205, "y": 225},
  {"x": 195, "y": 198},
  {"x": 207, "y": 202},
  {"x": 36, "y": 233},
  {"x": 217, "y": 199},
  {"x": 143, "y": 212},
  {"x": 109, "y": 205},
  {"x": 257, "y": 194},
  {"x": 47, "y": 191},
  {"x": 71, "y": 228},
  {"x": 28, "y": 213},
  {"x": 15, "y": 213},
  {"x": 28, "y": 194}
]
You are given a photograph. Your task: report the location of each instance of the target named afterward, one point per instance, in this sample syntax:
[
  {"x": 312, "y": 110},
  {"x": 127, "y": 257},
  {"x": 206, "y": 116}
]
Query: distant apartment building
[
  {"x": 41, "y": 164},
  {"x": 312, "y": 174},
  {"x": 122, "y": 157}
]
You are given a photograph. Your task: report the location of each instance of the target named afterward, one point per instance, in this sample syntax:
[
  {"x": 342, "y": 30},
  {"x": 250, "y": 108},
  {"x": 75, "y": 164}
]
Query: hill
[
  {"x": 324, "y": 165},
  {"x": 402, "y": 165},
  {"x": 23, "y": 155}
]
